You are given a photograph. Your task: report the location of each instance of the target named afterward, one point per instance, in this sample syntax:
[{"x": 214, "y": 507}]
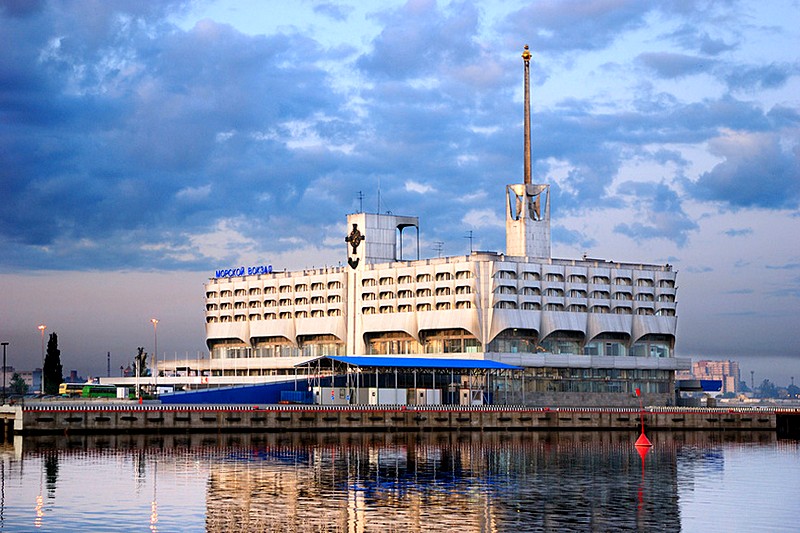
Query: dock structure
[{"x": 109, "y": 418}]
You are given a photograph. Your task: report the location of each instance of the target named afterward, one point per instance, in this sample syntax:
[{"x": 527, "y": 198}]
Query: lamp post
[
  {"x": 42, "y": 327},
  {"x": 155, "y": 350},
  {"x": 4, "y": 370}
]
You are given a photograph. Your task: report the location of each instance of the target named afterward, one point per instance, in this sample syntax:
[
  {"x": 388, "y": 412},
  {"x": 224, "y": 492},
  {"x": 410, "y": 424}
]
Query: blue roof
[{"x": 417, "y": 362}]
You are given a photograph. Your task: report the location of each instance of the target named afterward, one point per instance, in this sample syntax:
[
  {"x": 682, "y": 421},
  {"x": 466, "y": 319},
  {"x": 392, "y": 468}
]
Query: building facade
[{"x": 585, "y": 331}]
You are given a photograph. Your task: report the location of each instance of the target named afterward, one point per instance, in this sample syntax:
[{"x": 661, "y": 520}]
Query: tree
[
  {"x": 768, "y": 389},
  {"x": 140, "y": 363},
  {"x": 52, "y": 372},
  {"x": 18, "y": 385}
]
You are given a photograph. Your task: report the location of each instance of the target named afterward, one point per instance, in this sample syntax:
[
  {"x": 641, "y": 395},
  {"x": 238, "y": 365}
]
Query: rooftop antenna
[
  {"x": 469, "y": 236},
  {"x": 379, "y": 195},
  {"x": 438, "y": 246},
  {"x": 360, "y": 202}
]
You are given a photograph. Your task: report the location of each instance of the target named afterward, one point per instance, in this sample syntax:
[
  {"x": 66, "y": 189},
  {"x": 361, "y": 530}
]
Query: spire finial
[{"x": 526, "y": 57}]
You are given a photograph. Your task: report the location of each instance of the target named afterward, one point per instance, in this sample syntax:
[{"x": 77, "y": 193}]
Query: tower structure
[{"x": 528, "y": 204}]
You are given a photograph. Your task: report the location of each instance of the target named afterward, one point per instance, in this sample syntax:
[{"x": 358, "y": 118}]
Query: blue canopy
[{"x": 415, "y": 362}]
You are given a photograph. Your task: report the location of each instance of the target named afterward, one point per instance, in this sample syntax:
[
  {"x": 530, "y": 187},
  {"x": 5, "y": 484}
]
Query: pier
[{"x": 103, "y": 417}]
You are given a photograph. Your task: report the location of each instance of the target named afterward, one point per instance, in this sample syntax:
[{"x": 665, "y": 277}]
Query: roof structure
[{"x": 415, "y": 362}]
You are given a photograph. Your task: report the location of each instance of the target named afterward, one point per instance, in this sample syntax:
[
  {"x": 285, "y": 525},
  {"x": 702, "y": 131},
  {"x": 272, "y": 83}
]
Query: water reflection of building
[{"x": 472, "y": 482}]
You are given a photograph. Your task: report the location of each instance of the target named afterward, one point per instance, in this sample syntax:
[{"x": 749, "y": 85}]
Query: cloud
[
  {"x": 762, "y": 77},
  {"x": 758, "y": 170},
  {"x": 421, "y": 188},
  {"x": 562, "y": 26},
  {"x": 743, "y": 232},
  {"x": 671, "y": 65},
  {"x": 334, "y": 11},
  {"x": 659, "y": 211}
]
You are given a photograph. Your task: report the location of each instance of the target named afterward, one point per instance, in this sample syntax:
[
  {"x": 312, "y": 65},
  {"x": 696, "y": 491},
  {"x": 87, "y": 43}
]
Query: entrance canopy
[{"x": 414, "y": 362}]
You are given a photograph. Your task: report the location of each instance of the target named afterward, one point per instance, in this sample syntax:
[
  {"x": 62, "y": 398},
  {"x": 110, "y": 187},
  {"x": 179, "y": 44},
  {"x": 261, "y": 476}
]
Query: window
[
  {"x": 404, "y": 308},
  {"x": 367, "y": 296},
  {"x": 424, "y": 307},
  {"x": 622, "y": 280},
  {"x": 226, "y": 294},
  {"x": 270, "y": 303},
  {"x": 254, "y": 304},
  {"x": 317, "y": 286},
  {"x": 334, "y": 285},
  {"x": 255, "y": 291},
  {"x": 300, "y": 287},
  {"x": 239, "y": 292},
  {"x": 463, "y": 274},
  {"x": 530, "y": 291},
  {"x": 370, "y": 282},
  {"x": 211, "y": 294},
  {"x": 623, "y": 296},
  {"x": 577, "y": 293},
  {"x": 645, "y": 311},
  {"x": 386, "y": 309},
  {"x": 443, "y": 306},
  {"x": 600, "y": 280},
  {"x": 334, "y": 299},
  {"x": 301, "y": 314},
  {"x": 665, "y": 312},
  {"x": 239, "y": 305},
  {"x": 270, "y": 316},
  {"x": 444, "y": 276},
  {"x": 423, "y": 278},
  {"x": 212, "y": 307},
  {"x": 577, "y": 308},
  {"x": 505, "y": 274},
  {"x": 645, "y": 282},
  {"x": 225, "y": 305},
  {"x": 577, "y": 278},
  {"x": 387, "y": 281},
  {"x": 423, "y": 293},
  {"x": 334, "y": 312},
  {"x": 368, "y": 310},
  {"x": 645, "y": 297},
  {"x": 623, "y": 310},
  {"x": 553, "y": 291},
  {"x": 403, "y": 280},
  {"x": 283, "y": 302},
  {"x": 505, "y": 304},
  {"x": 667, "y": 283},
  {"x": 553, "y": 276},
  {"x": 317, "y": 313},
  {"x": 317, "y": 300},
  {"x": 530, "y": 306},
  {"x": 269, "y": 290},
  {"x": 405, "y": 293},
  {"x": 505, "y": 289},
  {"x": 463, "y": 289},
  {"x": 554, "y": 307},
  {"x": 601, "y": 309},
  {"x": 600, "y": 295},
  {"x": 386, "y": 295},
  {"x": 443, "y": 291},
  {"x": 285, "y": 315},
  {"x": 666, "y": 297},
  {"x": 531, "y": 276},
  {"x": 463, "y": 305},
  {"x": 285, "y": 289}
]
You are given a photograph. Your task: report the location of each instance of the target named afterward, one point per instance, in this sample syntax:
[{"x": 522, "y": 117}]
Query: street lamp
[
  {"x": 4, "y": 371},
  {"x": 42, "y": 327},
  {"x": 155, "y": 350}
]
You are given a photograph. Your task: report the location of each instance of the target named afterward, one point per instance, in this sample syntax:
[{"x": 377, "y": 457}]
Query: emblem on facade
[{"x": 354, "y": 239}]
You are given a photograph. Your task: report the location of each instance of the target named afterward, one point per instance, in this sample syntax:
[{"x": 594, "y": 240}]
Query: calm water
[{"x": 401, "y": 482}]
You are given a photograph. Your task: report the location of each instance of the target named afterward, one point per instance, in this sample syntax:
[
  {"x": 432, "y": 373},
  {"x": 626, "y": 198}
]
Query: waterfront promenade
[{"x": 116, "y": 417}]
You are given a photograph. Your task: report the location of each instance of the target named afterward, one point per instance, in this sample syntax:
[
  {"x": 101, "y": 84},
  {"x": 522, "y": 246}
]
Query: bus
[{"x": 71, "y": 390}]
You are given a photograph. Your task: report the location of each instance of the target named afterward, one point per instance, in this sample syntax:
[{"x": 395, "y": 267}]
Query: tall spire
[{"x": 526, "y": 57}]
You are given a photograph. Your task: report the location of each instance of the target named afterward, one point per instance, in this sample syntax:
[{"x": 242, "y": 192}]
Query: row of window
[
  {"x": 581, "y": 308},
  {"x": 284, "y": 315},
  {"x": 283, "y": 289},
  {"x": 580, "y": 278},
  {"x": 580, "y": 293},
  {"x": 407, "y": 308},
  {"x": 419, "y": 278}
]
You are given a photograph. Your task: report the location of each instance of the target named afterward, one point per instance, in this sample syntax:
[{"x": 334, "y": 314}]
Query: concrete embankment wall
[{"x": 122, "y": 418}]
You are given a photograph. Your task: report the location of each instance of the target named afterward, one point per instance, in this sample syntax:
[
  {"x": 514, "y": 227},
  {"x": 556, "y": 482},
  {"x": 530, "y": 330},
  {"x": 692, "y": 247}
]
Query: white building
[{"x": 587, "y": 331}]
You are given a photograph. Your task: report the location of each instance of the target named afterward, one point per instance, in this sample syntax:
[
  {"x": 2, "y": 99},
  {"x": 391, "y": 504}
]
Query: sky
[{"x": 144, "y": 145}]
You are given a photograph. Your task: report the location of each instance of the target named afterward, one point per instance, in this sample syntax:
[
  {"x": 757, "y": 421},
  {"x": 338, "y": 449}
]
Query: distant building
[
  {"x": 32, "y": 378},
  {"x": 725, "y": 371}
]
